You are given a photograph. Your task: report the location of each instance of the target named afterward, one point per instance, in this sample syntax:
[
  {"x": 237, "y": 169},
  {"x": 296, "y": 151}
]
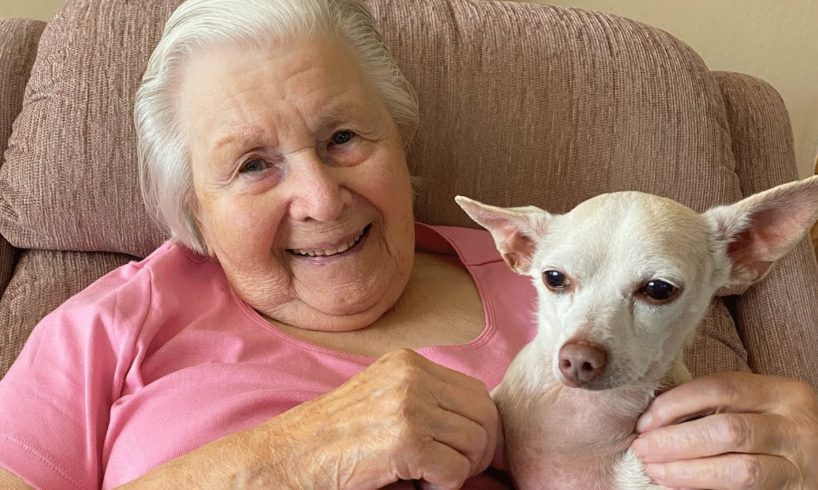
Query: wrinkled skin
[
  {"x": 402, "y": 418},
  {"x": 293, "y": 150},
  {"x": 761, "y": 432}
]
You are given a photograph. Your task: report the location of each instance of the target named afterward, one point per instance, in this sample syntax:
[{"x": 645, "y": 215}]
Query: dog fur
[{"x": 615, "y": 251}]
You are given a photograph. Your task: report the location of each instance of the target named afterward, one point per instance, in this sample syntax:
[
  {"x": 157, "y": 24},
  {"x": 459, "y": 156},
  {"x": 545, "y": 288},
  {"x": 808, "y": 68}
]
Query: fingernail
[
  {"x": 643, "y": 422},
  {"x": 655, "y": 471},
  {"x": 640, "y": 447}
]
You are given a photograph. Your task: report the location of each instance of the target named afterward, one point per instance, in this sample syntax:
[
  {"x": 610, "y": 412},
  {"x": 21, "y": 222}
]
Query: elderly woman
[{"x": 300, "y": 330}]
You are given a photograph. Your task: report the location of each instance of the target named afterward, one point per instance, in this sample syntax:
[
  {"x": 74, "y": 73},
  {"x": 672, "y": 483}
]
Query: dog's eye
[
  {"x": 555, "y": 280},
  {"x": 658, "y": 291}
]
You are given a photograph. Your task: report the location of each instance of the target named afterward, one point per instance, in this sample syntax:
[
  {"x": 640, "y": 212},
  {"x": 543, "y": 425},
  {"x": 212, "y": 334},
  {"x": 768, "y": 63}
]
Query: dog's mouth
[
  {"x": 613, "y": 377},
  {"x": 597, "y": 385}
]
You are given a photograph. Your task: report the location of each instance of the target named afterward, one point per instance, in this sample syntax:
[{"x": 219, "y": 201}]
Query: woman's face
[{"x": 301, "y": 184}]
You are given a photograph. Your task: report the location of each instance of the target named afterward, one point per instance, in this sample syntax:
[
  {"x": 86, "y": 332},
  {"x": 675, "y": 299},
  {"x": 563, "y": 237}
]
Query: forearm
[
  {"x": 262, "y": 457},
  {"x": 10, "y": 481},
  {"x": 404, "y": 417}
]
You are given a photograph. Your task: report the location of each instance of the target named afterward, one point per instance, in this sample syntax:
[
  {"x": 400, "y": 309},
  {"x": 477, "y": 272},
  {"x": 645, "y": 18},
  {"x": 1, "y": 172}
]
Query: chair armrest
[
  {"x": 776, "y": 319},
  {"x": 18, "y": 48}
]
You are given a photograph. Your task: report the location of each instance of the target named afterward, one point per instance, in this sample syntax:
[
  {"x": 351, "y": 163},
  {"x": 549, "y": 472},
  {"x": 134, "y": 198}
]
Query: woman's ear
[
  {"x": 516, "y": 231},
  {"x": 759, "y": 230}
]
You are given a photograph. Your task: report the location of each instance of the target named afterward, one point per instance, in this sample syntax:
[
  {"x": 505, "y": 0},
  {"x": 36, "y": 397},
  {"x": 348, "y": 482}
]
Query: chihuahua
[{"x": 622, "y": 281}]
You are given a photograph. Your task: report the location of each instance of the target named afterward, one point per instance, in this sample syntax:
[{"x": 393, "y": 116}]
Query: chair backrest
[
  {"x": 18, "y": 47},
  {"x": 520, "y": 104}
]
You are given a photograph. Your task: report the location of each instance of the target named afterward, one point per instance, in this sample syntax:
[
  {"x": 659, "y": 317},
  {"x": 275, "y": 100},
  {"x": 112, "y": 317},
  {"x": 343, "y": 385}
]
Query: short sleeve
[{"x": 56, "y": 398}]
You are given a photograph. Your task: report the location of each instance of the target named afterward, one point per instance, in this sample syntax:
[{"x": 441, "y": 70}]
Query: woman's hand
[
  {"x": 757, "y": 432},
  {"x": 404, "y": 417}
]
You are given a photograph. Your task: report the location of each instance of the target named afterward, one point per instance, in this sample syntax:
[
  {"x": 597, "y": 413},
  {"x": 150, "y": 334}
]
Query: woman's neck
[{"x": 440, "y": 306}]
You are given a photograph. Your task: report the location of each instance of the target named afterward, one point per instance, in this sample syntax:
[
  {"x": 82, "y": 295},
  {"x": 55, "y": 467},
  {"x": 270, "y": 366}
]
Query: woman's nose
[{"x": 317, "y": 192}]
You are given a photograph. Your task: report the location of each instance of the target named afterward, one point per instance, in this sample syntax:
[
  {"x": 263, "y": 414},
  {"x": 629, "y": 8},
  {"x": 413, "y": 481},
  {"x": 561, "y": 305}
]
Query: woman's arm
[
  {"x": 403, "y": 418},
  {"x": 758, "y": 432},
  {"x": 10, "y": 481}
]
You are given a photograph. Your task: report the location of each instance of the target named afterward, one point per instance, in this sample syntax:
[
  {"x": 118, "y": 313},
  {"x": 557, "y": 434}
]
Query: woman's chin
[
  {"x": 351, "y": 309},
  {"x": 353, "y": 306},
  {"x": 344, "y": 291},
  {"x": 350, "y": 291},
  {"x": 328, "y": 317}
]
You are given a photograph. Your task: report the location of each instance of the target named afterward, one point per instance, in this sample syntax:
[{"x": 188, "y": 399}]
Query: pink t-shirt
[{"x": 160, "y": 357}]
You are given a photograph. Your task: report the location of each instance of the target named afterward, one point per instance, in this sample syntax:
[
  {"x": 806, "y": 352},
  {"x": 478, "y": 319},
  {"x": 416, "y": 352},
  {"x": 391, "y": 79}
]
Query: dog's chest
[
  {"x": 547, "y": 448},
  {"x": 563, "y": 438}
]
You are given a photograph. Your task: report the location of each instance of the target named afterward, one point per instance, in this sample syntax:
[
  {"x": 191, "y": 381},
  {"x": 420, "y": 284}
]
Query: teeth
[{"x": 327, "y": 253}]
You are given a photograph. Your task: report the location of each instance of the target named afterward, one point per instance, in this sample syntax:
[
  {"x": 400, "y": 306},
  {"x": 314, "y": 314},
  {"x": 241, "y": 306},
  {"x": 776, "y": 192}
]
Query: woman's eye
[
  {"x": 254, "y": 165},
  {"x": 555, "y": 280},
  {"x": 659, "y": 291},
  {"x": 342, "y": 137}
]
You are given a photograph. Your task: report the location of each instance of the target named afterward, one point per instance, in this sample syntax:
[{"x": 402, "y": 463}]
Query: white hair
[{"x": 164, "y": 157}]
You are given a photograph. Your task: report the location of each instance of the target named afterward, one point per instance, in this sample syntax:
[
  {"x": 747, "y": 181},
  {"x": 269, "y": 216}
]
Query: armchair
[{"x": 520, "y": 104}]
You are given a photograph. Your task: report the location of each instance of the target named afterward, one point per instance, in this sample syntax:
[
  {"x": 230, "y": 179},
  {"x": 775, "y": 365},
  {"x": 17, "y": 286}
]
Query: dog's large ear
[
  {"x": 762, "y": 228},
  {"x": 515, "y": 230}
]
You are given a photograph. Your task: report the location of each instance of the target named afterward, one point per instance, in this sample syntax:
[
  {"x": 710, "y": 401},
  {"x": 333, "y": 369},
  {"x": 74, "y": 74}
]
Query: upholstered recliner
[{"x": 520, "y": 104}]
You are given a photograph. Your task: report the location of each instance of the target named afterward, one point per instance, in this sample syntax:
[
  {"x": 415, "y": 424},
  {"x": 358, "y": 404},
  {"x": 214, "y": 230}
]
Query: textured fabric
[
  {"x": 42, "y": 281},
  {"x": 814, "y": 233},
  {"x": 531, "y": 104},
  {"x": 70, "y": 181},
  {"x": 18, "y": 47},
  {"x": 8, "y": 260},
  {"x": 777, "y": 318},
  {"x": 814, "y": 237},
  {"x": 716, "y": 345},
  {"x": 519, "y": 104},
  {"x": 164, "y": 351},
  {"x": 524, "y": 104}
]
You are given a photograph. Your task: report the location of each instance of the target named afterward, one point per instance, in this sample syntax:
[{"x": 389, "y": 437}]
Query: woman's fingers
[
  {"x": 727, "y": 472},
  {"x": 717, "y": 434},
  {"x": 462, "y": 435},
  {"x": 466, "y": 401},
  {"x": 443, "y": 467},
  {"x": 720, "y": 392},
  {"x": 468, "y": 398},
  {"x": 414, "y": 419},
  {"x": 755, "y": 431}
]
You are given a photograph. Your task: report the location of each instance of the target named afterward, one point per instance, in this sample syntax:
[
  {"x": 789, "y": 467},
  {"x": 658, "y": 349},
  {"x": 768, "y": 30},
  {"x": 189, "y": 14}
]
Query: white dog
[{"x": 622, "y": 281}]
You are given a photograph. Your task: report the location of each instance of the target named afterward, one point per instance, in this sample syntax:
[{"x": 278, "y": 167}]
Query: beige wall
[
  {"x": 773, "y": 40},
  {"x": 33, "y": 9}
]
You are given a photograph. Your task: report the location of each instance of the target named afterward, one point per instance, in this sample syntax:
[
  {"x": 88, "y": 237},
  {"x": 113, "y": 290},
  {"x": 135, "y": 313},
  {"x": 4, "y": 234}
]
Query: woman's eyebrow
[
  {"x": 236, "y": 135},
  {"x": 330, "y": 117},
  {"x": 338, "y": 113}
]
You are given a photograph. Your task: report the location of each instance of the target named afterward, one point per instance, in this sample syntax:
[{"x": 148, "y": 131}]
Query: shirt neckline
[{"x": 482, "y": 338}]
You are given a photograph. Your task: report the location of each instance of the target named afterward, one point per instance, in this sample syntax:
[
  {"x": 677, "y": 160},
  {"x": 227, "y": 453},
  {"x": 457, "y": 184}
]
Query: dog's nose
[{"x": 581, "y": 363}]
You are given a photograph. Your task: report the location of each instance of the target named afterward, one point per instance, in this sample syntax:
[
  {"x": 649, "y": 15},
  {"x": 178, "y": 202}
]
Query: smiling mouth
[{"x": 344, "y": 247}]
